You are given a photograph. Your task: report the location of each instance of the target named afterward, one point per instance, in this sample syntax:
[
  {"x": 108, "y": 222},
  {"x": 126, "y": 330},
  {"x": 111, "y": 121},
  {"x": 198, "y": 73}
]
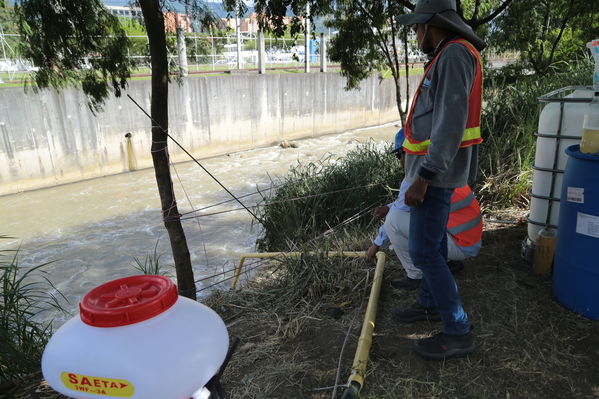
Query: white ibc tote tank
[{"x": 560, "y": 125}]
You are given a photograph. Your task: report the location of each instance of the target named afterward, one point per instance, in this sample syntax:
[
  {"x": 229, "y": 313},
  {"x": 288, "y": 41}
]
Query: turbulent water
[{"x": 91, "y": 230}]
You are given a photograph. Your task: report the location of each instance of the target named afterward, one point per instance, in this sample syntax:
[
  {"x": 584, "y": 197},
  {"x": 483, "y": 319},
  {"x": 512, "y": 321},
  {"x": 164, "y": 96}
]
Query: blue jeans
[{"x": 428, "y": 250}]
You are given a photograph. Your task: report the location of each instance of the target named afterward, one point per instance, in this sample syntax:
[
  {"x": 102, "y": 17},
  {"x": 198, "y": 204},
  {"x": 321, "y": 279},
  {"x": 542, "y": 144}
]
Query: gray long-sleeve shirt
[{"x": 440, "y": 114}]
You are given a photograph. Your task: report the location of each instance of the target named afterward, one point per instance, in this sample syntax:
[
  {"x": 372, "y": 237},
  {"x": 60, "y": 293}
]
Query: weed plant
[
  {"x": 150, "y": 264},
  {"x": 25, "y": 294},
  {"x": 317, "y": 197}
]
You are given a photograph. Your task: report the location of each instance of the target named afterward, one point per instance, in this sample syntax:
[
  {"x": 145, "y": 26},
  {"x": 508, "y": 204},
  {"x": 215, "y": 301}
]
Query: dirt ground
[{"x": 528, "y": 345}]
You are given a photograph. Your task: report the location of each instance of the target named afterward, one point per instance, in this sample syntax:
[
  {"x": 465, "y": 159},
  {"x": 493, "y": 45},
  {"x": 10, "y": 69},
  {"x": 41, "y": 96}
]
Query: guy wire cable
[
  {"x": 269, "y": 203},
  {"x": 191, "y": 205},
  {"x": 258, "y": 191},
  {"x": 254, "y": 266},
  {"x": 192, "y": 157},
  {"x": 261, "y": 262}
]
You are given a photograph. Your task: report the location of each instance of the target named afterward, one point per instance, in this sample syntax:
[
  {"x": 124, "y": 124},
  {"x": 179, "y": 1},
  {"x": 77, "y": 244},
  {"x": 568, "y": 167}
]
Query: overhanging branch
[{"x": 475, "y": 23}]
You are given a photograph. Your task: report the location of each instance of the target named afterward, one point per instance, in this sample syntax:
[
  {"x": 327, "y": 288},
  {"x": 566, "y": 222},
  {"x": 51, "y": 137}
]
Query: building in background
[
  {"x": 124, "y": 11},
  {"x": 248, "y": 24},
  {"x": 171, "y": 19}
]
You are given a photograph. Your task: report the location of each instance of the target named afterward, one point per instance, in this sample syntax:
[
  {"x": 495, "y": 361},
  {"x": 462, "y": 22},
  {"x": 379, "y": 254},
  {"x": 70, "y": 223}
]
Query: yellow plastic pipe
[
  {"x": 265, "y": 255},
  {"x": 356, "y": 378}
]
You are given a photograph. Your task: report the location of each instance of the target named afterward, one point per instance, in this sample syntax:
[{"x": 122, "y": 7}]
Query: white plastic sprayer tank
[
  {"x": 136, "y": 338},
  {"x": 560, "y": 125}
]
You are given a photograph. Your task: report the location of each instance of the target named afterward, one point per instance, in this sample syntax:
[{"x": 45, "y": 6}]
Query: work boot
[
  {"x": 443, "y": 346},
  {"x": 406, "y": 283},
  {"x": 415, "y": 313}
]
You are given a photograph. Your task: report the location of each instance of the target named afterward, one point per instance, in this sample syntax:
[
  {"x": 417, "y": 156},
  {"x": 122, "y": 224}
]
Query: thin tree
[
  {"x": 546, "y": 32},
  {"x": 62, "y": 36}
]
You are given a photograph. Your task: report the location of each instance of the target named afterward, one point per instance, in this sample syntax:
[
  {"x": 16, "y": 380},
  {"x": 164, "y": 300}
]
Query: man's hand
[
  {"x": 371, "y": 254},
  {"x": 415, "y": 194},
  {"x": 380, "y": 212}
]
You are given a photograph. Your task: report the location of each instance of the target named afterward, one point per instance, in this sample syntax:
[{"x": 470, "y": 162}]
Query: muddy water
[{"x": 91, "y": 230}]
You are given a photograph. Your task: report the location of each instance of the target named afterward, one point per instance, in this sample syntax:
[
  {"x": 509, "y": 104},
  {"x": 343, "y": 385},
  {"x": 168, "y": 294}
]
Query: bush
[
  {"x": 509, "y": 121},
  {"x": 316, "y": 197}
]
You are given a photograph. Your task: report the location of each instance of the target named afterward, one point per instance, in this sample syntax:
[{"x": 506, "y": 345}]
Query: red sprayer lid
[{"x": 127, "y": 300}]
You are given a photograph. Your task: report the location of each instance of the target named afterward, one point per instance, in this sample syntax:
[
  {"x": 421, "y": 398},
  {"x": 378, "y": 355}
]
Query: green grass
[
  {"x": 19, "y": 79},
  {"x": 386, "y": 73},
  {"x": 25, "y": 294},
  {"x": 150, "y": 264}
]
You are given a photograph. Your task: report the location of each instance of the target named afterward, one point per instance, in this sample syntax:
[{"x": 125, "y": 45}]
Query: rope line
[
  {"x": 246, "y": 270},
  {"x": 228, "y": 271},
  {"x": 272, "y": 187},
  {"x": 191, "y": 204},
  {"x": 259, "y": 263},
  {"x": 166, "y": 212},
  {"x": 227, "y": 201},
  {"x": 191, "y": 156},
  {"x": 276, "y": 202}
]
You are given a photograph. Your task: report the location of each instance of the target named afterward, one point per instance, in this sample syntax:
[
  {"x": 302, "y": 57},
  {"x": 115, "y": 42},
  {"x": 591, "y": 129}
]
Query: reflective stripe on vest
[
  {"x": 460, "y": 228},
  {"x": 456, "y": 206},
  {"x": 472, "y": 130},
  {"x": 465, "y": 221}
]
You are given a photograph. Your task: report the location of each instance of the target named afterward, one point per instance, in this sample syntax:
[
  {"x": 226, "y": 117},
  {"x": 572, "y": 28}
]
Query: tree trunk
[
  {"x": 154, "y": 21},
  {"x": 181, "y": 48},
  {"x": 400, "y": 108}
]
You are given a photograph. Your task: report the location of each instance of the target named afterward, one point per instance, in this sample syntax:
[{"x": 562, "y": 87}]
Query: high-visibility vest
[
  {"x": 472, "y": 132},
  {"x": 465, "y": 223}
]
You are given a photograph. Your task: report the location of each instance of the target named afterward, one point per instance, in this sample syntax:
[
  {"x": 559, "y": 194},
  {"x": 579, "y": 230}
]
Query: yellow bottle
[
  {"x": 589, "y": 143},
  {"x": 544, "y": 251}
]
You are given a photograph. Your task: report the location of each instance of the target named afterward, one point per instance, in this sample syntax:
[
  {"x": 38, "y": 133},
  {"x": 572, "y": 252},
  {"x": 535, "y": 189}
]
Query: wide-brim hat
[{"x": 442, "y": 13}]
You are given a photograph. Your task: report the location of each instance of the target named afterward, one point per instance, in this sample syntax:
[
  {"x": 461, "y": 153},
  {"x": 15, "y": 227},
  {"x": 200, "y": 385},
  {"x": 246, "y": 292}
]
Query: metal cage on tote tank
[{"x": 560, "y": 126}]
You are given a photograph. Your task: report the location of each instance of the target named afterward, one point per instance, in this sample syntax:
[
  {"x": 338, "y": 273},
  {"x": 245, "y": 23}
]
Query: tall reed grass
[
  {"x": 318, "y": 196},
  {"x": 26, "y": 292}
]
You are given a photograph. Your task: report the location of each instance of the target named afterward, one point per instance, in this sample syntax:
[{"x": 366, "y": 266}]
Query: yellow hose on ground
[{"x": 356, "y": 378}]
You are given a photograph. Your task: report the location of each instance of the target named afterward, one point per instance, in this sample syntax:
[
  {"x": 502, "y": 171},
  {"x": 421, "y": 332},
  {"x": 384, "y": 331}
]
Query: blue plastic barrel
[{"x": 576, "y": 264}]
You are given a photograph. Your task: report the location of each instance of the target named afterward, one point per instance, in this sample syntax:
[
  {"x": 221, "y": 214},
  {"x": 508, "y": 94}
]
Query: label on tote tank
[
  {"x": 576, "y": 194},
  {"x": 98, "y": 385},
  {"x": 587, "y": 224}
]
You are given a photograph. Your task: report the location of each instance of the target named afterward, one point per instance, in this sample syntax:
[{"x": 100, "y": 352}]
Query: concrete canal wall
[{"x": 50, "y": 138}]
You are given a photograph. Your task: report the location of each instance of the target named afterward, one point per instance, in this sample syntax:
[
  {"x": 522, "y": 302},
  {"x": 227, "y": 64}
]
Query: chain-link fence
[
  {"x": 205, "y": 54},
  {"x": 216, "y": 53}
]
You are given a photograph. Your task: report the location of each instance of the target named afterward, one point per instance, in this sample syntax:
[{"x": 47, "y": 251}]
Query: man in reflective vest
[
  {"x": 442, "y": 133},
  {"x": 464, "y": 228}
]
